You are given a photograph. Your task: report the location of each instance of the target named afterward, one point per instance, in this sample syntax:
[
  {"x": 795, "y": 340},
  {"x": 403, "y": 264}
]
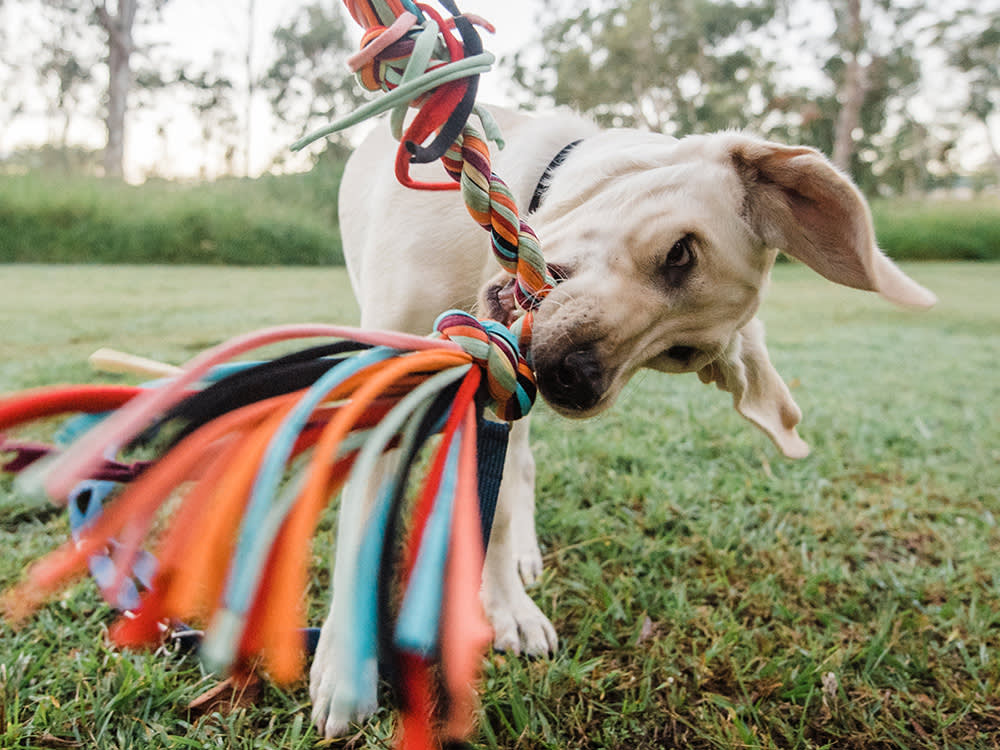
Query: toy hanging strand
[{"x": 256, "y": 450}]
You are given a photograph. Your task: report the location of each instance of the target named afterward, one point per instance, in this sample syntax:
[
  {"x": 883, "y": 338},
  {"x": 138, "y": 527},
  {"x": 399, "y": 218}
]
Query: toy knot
[{"x": 509, "y": 378}]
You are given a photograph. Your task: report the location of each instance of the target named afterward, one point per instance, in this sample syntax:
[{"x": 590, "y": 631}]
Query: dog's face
[{"x": 665, "y": 248}]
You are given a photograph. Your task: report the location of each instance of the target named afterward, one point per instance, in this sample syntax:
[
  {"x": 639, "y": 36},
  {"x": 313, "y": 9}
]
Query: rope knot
[{"x": 509, "y": 379}]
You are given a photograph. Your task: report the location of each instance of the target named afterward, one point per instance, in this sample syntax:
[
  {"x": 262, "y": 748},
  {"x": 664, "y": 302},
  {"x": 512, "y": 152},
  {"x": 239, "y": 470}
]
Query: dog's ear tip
[
  {"x": 894, "y": 285},
  {"x": 794, "y": 447},
  {"x": 916, "y": 297}
]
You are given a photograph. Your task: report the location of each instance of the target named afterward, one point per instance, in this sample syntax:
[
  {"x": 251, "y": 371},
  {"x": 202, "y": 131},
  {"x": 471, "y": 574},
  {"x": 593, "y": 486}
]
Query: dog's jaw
[{"x": 497, "y": 301}]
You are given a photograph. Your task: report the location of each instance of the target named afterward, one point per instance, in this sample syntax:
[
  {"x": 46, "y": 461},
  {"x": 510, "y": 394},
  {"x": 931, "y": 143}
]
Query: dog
[{"x": 664, "y": 248}]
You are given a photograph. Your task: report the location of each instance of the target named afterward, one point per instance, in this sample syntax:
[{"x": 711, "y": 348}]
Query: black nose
[{"x": 574, "y": 382}]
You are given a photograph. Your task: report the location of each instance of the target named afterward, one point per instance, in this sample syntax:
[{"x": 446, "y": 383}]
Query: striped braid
[{"x": 490, "y": 202}]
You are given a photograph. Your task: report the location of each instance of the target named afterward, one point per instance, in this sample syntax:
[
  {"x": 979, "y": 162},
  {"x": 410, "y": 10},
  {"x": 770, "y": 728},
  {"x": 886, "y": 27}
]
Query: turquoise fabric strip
[
  {"x": 358, "y": 574},
  {"x": 261, "y": 522},
  {"x": 420, "y": 614}
]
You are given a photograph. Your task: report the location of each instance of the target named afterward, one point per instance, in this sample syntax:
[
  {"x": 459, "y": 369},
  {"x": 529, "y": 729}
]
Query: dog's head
[{"x": 665, "y": 247}]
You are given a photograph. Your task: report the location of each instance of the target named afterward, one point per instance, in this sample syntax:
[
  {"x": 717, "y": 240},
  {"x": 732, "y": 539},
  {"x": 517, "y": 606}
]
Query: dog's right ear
[
  {"x": 759, "y": 393},
  {"x": 798, "y": 202}
]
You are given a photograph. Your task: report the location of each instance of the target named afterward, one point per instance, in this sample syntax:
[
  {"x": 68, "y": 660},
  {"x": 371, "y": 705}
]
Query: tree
[
  {"x": 70, "y": 77},
  {"x": 854, "y": 84},
  {"x": 117, "y": 26},
  {"x": 846, "y": 76},
  {"x": 976, "y": 53},
  {"x": 309, "y": 83},
  {"x": 212, "y": 98},
  {"x": 669, "y": 67}
]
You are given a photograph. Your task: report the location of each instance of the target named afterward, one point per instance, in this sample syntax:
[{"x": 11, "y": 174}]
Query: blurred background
[{"x": 158, "y": 130}]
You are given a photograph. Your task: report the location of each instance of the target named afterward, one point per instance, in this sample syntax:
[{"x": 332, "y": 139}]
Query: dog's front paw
[
  {"x": 332, "y": 713},
  {"x": 519, "y": 626},
  {"x": 529, "y": 558}
]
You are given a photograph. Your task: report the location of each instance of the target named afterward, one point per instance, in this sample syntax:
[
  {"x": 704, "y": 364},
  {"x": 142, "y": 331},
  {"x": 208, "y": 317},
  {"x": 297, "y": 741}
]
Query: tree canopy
[{"x": 893, "y": 90}]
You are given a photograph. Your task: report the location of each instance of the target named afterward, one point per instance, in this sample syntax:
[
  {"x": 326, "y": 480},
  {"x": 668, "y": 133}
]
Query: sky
[{"x": 167, "y": 140}]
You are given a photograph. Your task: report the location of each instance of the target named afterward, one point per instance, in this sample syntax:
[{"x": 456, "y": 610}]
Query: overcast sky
[
  {"x": 167, "y": 140},
  {"x": 198, "y": 28}
]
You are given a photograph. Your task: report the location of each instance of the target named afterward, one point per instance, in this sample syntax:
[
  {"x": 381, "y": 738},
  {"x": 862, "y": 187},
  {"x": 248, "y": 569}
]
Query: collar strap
[{"x": 546, "y": 179}]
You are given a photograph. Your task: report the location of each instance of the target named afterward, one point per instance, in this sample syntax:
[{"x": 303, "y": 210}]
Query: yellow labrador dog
[{"x": 665, "y": 247}]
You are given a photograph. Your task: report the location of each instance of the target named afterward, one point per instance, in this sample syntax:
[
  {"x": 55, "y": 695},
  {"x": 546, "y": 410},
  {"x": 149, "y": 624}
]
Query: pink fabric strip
[
  {"x": 394, "y": 33},
  {"x": 480, "y": 21},
  {"x": 84, "y": 455}
]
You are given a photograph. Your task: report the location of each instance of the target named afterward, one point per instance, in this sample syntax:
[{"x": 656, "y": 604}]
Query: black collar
[{"x": 545, "y": 180}]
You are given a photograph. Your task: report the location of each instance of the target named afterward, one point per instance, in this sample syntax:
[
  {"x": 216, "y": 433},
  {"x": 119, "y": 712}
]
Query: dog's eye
[
  {"x": 679, "y": 261},
  {"x": 681, "y": 255}
]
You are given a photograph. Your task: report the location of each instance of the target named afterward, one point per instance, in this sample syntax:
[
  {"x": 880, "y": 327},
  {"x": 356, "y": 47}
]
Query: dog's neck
[{"x": 545, "y": 180}]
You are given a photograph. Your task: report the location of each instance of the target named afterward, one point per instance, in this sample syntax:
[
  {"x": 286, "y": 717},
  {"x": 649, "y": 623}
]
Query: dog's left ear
[
  {"x": 798, "y": 202},
  {"x": 759, "y": 393}
]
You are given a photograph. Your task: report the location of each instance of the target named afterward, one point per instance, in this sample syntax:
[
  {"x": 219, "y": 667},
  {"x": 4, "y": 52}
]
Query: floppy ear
[
  {"x": 797, "y": 201},
  {"x": 759, "y": 393}
]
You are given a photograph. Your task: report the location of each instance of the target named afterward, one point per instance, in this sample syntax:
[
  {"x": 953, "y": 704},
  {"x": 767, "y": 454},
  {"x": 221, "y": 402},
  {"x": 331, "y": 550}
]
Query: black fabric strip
[
  {"x": 389, "y": 669},
  {"x": 279, "y": 376},
  {"x": 546, "y": 178},
  {"x": 456, "y": 121},
  {"x": 491, "y": 453}
]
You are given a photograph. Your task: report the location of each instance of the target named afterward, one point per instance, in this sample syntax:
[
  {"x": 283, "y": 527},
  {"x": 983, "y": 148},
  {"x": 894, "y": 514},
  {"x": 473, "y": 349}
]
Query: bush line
[{"x": 291, "y": 220}]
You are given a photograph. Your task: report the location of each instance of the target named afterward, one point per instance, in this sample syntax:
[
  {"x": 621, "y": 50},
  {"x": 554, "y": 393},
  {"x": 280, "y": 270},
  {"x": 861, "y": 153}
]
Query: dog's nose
[{"x": 574, "y": 382}]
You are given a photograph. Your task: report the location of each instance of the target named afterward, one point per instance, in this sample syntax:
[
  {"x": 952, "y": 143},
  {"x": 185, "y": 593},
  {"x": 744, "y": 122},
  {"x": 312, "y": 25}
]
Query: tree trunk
[
  {"x": 251, "y": 88},
  {"x": 853, "y": 89},
  {"x": 119, "y": 31},
  {"x": 993, "y": 146}
]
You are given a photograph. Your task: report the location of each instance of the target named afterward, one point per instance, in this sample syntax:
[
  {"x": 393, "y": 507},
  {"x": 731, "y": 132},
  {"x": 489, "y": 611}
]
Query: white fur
[{"x": 613, "y": 211}]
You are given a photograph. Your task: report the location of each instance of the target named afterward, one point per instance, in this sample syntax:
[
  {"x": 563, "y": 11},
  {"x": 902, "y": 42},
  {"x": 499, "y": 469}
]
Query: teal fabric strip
[
  {"x": 420, "y": 614},
  {"x": 469, "y": 66},
  {"x": 355, "y": 584},
  {"x": 363, "y": 672}
]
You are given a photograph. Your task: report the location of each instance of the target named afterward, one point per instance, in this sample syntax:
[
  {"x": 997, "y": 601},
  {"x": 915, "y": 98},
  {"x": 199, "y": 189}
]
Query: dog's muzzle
[{"x": 572, "y": 381}]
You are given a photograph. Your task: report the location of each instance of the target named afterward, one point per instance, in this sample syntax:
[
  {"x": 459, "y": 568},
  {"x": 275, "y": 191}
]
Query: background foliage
[
  {"x": 903, "y": 94},
  {"x": 291, "y": 219},
  {"x": 271, "y": 220}
]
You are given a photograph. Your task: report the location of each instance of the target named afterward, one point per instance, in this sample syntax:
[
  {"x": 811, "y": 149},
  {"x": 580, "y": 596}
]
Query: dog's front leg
[
  {"x": 335, "y": 704},
  {"x": 519, "y": 625},
  {"x": 519, "y": 489}
]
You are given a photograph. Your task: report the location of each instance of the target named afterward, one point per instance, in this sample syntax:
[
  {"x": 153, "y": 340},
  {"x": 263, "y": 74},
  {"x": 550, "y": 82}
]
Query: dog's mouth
[
  {"x": 500, "y": 303},
  {"x": 574, "y": 382},
  {"x": 500, "y": 300}
]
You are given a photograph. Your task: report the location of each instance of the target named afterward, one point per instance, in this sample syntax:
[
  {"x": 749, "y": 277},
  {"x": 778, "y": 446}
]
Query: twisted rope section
[
  {"x": 515, "y": 245},
  {"x": 414, "y": 55},
  {"x": 509, "y": 379}
]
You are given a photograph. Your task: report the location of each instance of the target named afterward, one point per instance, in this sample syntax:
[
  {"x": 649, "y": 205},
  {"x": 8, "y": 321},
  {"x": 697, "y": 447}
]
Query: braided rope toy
[{"x": 256, "y": 450}]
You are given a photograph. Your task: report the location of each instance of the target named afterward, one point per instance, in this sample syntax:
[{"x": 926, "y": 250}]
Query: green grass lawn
[{"x": 708, "y": 593}]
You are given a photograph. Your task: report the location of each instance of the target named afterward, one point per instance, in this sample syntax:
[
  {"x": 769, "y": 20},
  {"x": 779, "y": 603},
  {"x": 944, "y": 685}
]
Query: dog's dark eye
[
  {"x": 679, "y": 261},
  {"x": 681, "y": 255}
]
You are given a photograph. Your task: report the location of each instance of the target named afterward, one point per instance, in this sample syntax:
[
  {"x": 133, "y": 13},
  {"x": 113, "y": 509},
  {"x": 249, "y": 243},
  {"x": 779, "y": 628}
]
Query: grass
[{"x": 708, "y": 593}]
